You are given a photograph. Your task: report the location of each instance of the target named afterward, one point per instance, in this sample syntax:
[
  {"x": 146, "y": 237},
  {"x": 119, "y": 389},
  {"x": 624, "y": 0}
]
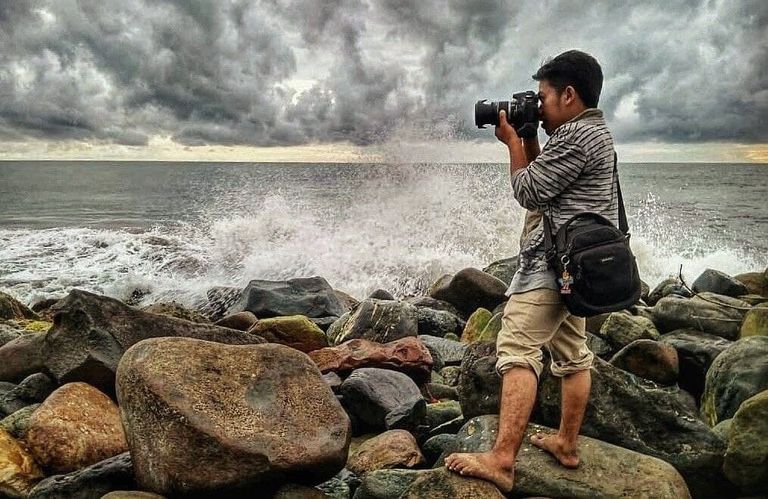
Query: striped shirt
[{"x": 573, "y": 174}]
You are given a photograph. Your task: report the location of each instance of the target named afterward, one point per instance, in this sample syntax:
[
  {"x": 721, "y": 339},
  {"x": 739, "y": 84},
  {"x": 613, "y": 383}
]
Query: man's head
[{"x": 568, "y": 84}]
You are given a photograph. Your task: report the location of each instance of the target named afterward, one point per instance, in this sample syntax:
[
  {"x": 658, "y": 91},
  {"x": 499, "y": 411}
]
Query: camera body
[{"x": 522, "y": 113}]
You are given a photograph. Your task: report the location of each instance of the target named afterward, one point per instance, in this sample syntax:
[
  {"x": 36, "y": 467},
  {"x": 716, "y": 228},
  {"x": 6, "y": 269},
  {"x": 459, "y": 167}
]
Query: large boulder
[
  {"x": 295, "y": 331},
  {"x": 115, "y": 473},
  {"x": 407, "y": 355},
  {"x": 599, "y": 474},
  {"x": 650, "y": 360},
  {"x": 469, "y": 290},
  {"x": 75, "y": 427},
  {"x": 13, "y": 309},
  {"x": 707, "y": 312},
  {"x": 381, "y": 321},
  {"x": 91, "y": 333},
  {"x": 746, "y": 460},
  {"x": 383, "y": 399},
  {"x": 18, "y": 470},
  {"x": 21, "y": 357},
  {"x": 737, "y": 374},
  {"x": 309, "y": 296},
  {"x": 620, "y": 329},
  {"x": 391, "y": 449},
  {"x": 639, "y": 415},
  {"x": 479, "y": 385},
  {"x": 203, "y": 417},
  {"x": 695, "y": 352},
  {"x": 714, "y": 281},
  {"x": 755, "y": 322}
]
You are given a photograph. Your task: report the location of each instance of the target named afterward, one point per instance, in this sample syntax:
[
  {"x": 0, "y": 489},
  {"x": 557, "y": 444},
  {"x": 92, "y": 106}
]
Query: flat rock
[
  {"x": 18, "y": 470},
  {"x": 708, "y": 313},
  {"x": 738, "y": 373},
  {"x": 469, "y": 290},
  {"x": 695, "y": 352},
  {"x": 621, "y": 329},
  {"x": 295, "y": 331},
  {"x": 391, "y": 449},
  {"x": 21, "y": 357},
  {"x": 115, "y": 473},
  {"x": 381, "y": 321},
  {"x": 204, "y": 417},
  {"x": 649, "y": 359},
  {"x": 408, "y": 355},
  {"x": 91, "y": 333},
  {"x": 746, "y": 460},
  {"x": 308, "y": 296},
  {"x": 75, "y": 427},
  {"x": 714, "y": 281}
]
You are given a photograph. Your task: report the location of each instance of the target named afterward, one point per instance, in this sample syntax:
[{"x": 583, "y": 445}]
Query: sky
[{"x": 367, "y": 80}]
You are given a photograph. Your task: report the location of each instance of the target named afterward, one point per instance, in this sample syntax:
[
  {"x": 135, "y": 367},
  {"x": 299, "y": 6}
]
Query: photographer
[{"x": 574, "y": 173}]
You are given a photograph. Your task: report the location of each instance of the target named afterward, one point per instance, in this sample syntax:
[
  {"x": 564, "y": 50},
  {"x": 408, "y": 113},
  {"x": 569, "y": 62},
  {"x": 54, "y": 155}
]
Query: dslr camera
[{"x": 522, "y": 113}]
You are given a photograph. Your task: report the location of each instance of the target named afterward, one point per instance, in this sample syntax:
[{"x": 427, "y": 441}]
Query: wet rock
[
  {"x": 443, "y": 483},
  {"x": 667, "y": 287},
  {"x": 176, "y": 310},
  {"x": 746, "y": 460},
  {"x": 479, "y": 384},
  {"x": 695, "y": 352},
  {"x": 755, "y": 322},
  {"x": 91, "y": 333},
  {"x": 379, "y": 321},
  {"x": 714, "y": 281},
  {"x": 738, "y": 373},
  {"x": 308, "y": 296},
  {"x": 11, "y": 308},
  {"x": 755, "y": 282},
  {"x": 204, "y": 417},
  {"x": 621, "y": 329},
  {"x": 242, "y": 321},
  {"x": 408, "y": 355},
  {"x": 503, "y": 270},
  {"x": 391, "y": 449},
  {"x": 295, "y": 331},
  {"x": 115, "y": 473},
  {"x": 21, "y": 357},
  {"x": 469, "y": 290},
  {"x": 75, "y": 427},
  {"x": 708, "y": 313},
  {"x": 34, "y": 388},
  {"x": 438, "y": 322},
  {"x": 639, "y": 415},
  {"x": 649, "y": 359},
  {"x": 18, "y": 470},
  {"x": 599, "y": 474},
  {"x": 383, "y": 399}
]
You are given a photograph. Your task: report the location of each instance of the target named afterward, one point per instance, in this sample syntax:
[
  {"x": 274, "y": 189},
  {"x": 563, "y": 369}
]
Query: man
[{"x": 572, "y": 174}]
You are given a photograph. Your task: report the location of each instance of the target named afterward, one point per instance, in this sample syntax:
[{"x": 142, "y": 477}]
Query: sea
[{"x": 169, "y": 231}]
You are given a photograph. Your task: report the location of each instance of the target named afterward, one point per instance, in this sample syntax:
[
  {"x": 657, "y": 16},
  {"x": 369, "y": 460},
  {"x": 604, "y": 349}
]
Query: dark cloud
[{"x": 286, "y": 72}]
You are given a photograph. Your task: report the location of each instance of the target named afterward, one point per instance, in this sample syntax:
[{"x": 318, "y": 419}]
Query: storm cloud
[{"x": 290, "y": 72}]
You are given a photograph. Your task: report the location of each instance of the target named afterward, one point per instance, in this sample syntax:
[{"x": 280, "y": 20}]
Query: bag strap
[{"x": 549, "y": 247}]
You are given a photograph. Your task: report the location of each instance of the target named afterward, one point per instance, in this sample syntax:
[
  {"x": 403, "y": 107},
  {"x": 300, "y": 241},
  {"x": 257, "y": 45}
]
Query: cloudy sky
[{"x": 367, "y": 79}]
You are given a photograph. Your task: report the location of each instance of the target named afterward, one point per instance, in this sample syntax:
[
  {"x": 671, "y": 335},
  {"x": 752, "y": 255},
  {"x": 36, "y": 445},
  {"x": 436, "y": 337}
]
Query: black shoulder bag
[{"x": 596, "y": 270}]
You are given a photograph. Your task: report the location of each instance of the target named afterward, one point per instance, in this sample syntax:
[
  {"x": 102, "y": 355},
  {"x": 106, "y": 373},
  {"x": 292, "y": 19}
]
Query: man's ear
[{"x": 569, "y": 95}]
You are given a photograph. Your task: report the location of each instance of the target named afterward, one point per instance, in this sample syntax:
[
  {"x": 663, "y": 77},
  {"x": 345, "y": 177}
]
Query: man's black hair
[{"x": 577, "y": 69}]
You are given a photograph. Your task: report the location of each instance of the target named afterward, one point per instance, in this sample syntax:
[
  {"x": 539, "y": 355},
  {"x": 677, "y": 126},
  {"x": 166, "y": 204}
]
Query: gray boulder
[
  {"x": 308, "y": 296},
  {"x": 450, "y": 352},
  {"x": 714, "y": 281},
  {"x": 381, "y": 321},
  {"x": 708, "y": 313},
  {"x": 469, "y": 290},
  {"x": 695, "y": 352}
]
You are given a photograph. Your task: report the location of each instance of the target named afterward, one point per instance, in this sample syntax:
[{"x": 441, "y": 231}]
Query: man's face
[{"x": 550, "y": 107}]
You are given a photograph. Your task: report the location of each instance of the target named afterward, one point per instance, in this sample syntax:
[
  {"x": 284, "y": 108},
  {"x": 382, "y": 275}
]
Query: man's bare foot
[
  {"x": 566, "y": 455},
  {"x": 486, "y": 465}
]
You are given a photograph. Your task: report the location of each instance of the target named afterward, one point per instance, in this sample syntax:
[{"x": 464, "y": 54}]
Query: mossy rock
[
  {"x": 476, "y": 325},
  {"x": 491, "y": 330},
  {"x": 33, "y": 326},
  {"x": 746, "y": 460},
  {"x": 295, "y": 331},
  {"x": 755, "y": 322}
]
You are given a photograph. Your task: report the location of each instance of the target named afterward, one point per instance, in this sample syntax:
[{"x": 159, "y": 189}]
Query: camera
[{"x": 522, "y": 113}]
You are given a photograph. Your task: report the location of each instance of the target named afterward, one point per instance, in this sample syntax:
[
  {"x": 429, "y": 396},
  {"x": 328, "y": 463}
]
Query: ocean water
[{"x": 173, "y": 230}]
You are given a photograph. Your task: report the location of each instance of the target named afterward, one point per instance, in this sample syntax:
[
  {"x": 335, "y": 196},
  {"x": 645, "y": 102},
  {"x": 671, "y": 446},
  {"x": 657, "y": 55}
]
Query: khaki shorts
[{"x": 539, "y": 318}]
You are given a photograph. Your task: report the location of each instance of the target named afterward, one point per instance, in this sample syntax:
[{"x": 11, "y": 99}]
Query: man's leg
[{"x": 518, "y": 395}]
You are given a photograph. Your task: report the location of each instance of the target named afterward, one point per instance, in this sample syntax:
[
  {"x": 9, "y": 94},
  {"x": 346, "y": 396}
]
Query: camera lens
[{"x": 486, "y": 113}]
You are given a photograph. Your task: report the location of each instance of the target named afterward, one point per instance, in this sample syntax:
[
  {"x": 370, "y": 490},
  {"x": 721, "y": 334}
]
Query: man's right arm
[{"x": 532, "y": 148}]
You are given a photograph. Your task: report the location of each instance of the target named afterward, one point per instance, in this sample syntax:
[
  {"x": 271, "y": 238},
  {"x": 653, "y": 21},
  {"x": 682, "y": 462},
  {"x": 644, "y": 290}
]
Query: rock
[
  {"x": 11, "y": 308},
  {"x": 34, "y": 388},
  {"x": 386, "y": 484},
  {"x": 492, "y": 329},
  {"x": 595, "y": 323},
  {"x": 40, "y": 307},
  {"x": 714, "y": 281},
  {"x": 439, "y": 391},
  {"x": 379, "y": 321},
  {"x": 176, "y": 310},
  {"x": 333, "y": 380},
  {"x": 391, "y": 449},
  {"x": 21, "y": 357},
  {"x": 598, "y": 346},
  {"x": 451, "y": 375},
  {"x": 755, "y": 282},
  {"x": 503, "y": 270},
  {"x": 295, "y": 331},
  {"x": 296, "y": 491},
  {"x": 92, "y": 332},
  {"x": 723, "y": 429},
  {"x": 755, "y": 322},
  {"x": 443, "y": 483},
  {"x": 746, "y": 460},
  {"x": 131, "y": 494},
  {"x": 242, "y": 321},
  {"x": 336, "y": 488},
  {"x": 18, "y": 470},
  {"x": 433, "y": 304},
  {"x": 538, "y": 474},
  {"x": 308, "y": 296},
  {"x": 408, "y": 355},
  {"x": 75, "y": 427},
  {"x": 649, "y": 359},
  {"x": 438, "y": 322},
  {"x": 469, "y": 290},
  {"x": 115, "y": 473},
  {"x": 347, "y": 301},
  {"x": 220, "y": 299},
  {"x": 754, "y": 300},
  {"x": 203, "y": 417},
  {"x": 738, "y": 373},
  {"x": 451, "y": 352},
  {"x": 383, "y": 399},
  {"x": 8, "y": 333},
  {"x": 475, "y": 325},
  {"x": 695, "y": 352},
  {"x": 705, "y": 312},
  {"x": 16, "y": 424},
  {"x": 638, "y": 415},
  {"x": 668, "y": 287},
  {"x": 479, "y": 384},
  {"x": 442, "y": 412},
  {"x": 323, "y": 322},
  {"x": 381, "y": 294},
  {"x": 437, "y": 445},
  {"x": 621, "y": 329}
]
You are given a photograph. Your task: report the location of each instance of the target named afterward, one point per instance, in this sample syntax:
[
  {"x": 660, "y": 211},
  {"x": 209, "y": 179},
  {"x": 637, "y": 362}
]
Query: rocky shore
[{"x": 294, "y": 389}]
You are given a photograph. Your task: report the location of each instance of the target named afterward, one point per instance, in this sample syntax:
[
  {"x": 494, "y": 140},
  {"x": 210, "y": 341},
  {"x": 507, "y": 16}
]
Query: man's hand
[{"x": 504, "y": 131}]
